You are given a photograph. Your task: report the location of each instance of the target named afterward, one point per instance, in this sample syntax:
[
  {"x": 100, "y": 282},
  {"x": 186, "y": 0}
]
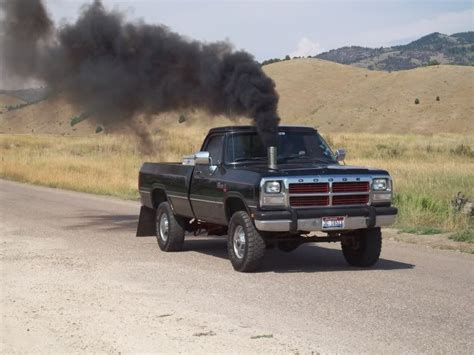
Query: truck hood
[{"x": 312, "y": 169}]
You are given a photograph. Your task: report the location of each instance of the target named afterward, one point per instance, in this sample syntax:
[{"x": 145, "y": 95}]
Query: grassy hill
[
  {"x": 336, "y": 97},
  {"x": 327, "y": 95}
]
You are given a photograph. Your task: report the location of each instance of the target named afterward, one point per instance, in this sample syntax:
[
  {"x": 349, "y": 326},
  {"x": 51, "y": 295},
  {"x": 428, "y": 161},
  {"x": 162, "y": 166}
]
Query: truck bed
[{"x": 174, "y": 178}]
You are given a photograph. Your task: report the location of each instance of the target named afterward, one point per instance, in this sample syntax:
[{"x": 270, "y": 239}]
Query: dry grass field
[{"x": 428, "y": 170}]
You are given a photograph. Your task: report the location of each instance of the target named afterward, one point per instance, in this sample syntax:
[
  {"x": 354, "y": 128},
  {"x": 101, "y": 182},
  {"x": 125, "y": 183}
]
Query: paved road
[{"x": 75, "y": 278}]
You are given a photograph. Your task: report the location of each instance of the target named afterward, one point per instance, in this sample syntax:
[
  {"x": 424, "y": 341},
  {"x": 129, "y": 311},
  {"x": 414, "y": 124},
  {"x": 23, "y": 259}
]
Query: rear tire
[
  {"x": 364, "y": 251},
  {"x": 169, "y": 229},
  {"x": 245, "y": 245}
]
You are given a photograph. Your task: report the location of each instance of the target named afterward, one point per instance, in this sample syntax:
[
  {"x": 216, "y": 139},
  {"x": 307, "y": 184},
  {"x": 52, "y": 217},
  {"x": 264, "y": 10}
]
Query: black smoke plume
[{"x": 116, "y": 69}]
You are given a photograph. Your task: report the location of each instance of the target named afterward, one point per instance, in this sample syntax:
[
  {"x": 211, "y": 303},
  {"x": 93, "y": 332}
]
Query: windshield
[{"x": 292, "y": 147}]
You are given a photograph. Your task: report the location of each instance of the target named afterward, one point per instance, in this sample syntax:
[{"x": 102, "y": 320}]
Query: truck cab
[{"x": 295, "y": 192}]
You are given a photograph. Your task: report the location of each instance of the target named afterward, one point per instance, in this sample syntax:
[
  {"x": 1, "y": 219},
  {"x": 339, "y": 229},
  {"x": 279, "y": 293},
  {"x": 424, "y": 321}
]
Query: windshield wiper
[
  {"x": 293, "y": 156},
  {"x": 236, "y": 160}
]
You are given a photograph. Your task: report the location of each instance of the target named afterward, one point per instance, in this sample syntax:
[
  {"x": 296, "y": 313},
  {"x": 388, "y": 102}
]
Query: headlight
[
  {"x": 272, "y": 187},
  {"x": 381, "y": 185},
  {"x": 273, "y": 194}
]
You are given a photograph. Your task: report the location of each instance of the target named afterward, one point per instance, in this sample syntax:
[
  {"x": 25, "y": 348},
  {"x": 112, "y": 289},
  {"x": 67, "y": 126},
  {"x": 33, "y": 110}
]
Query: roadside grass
[
  {"x": 428, "y": 171},
  {"x": 421, "y": 230},
  {"x": 466, "y": 235}
]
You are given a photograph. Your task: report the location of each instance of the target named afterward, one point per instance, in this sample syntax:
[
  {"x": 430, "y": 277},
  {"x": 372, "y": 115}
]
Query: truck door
[{"x": 206, "y": 193}]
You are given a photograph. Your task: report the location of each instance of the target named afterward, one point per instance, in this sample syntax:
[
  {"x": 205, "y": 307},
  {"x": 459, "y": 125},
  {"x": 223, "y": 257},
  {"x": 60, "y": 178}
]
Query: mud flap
[{"x": 146, "y": 222}]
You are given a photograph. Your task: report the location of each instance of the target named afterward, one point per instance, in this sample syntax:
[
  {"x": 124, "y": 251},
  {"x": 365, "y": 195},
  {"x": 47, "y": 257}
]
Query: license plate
[{"x": 333, "y": 222}]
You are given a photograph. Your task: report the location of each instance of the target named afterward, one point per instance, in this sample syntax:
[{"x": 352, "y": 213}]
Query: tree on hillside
[{"x": 433, "y": 62}]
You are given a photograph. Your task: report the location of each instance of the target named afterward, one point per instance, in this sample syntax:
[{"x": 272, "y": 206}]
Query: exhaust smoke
[{"x": 116, "y": 69}]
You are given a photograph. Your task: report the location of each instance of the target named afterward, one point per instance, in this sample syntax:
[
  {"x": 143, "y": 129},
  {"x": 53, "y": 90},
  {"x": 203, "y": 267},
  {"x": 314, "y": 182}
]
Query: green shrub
[
  {"x": 463, "y": 150},
  {"x": 17, "y": 107},
  {"x": 25, "y": 104},
  {"x": 417, "y": 101},
  {"x": 466, "y": 235},
  {"x": 182, "y": 118},
  {"x": 99, "y": 129},
  {"x": 77, "y": 119},
  {"x": 433, "y": 62}
]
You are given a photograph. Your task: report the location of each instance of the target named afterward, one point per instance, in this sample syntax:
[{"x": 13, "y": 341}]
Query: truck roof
[{"x": 250, "y": 128}]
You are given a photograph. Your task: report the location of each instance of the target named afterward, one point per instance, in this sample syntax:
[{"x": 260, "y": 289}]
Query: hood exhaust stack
[{"x": 272, "y": 158}]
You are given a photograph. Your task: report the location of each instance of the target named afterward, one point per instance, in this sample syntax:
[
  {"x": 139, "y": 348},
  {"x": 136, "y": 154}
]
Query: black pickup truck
[{"x": 281, "y": 197}]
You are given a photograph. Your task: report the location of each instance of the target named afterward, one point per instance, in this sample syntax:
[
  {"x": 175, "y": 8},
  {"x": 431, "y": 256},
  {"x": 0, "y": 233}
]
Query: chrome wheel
[
  {"x": 239, "y": 242},
  {"x": 163, "y": 227}
]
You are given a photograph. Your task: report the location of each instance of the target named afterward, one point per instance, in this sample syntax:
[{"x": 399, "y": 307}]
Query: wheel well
[
  {"x": 159, "y": 196},
  {"x": 232, "y": 205}
]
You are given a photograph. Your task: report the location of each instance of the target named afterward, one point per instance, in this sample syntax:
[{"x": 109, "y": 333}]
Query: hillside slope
[
  {"x": 436, "y": 47},
  {"x": 7, "y": 100},
  {"x": 338, "y": 97},
  {"x": 48, "y": 116},
  {"x": 331, "y": 96},
  {"x": 27, "y": 95}
]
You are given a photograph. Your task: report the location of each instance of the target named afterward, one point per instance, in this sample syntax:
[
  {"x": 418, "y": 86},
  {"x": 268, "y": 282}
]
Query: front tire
[
  {"x": 245, "y": 245},
  {"x": 363, "y": 248},
  {"x": 169, "y": 229}
]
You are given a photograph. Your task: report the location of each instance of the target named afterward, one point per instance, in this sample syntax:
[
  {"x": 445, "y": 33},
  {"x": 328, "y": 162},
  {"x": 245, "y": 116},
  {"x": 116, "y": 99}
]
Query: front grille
[
  {"x": 308, "y": 188},
  {"x": 306, "y": 201},
  {"x": 350, "y": 187},
  {"x": 338, "y": 200},
  {"x": 322, "y": 194}
]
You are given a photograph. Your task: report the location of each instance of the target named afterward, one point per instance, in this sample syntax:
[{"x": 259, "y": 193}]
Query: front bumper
[{"x": 310, "y": 220}]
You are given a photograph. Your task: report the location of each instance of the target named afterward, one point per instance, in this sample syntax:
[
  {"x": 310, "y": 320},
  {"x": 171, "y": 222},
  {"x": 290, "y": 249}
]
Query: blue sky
[{"x": 270, "y": 29}]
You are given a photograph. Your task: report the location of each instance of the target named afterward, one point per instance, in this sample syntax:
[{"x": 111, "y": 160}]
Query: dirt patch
[{"x": 436, "y": 241}]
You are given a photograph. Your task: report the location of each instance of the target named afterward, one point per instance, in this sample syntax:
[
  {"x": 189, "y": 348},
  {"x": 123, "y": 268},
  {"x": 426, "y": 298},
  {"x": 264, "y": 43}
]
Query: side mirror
[
  {"x": 340, "y": 154},
  {"x": 202, "y": 158}
]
